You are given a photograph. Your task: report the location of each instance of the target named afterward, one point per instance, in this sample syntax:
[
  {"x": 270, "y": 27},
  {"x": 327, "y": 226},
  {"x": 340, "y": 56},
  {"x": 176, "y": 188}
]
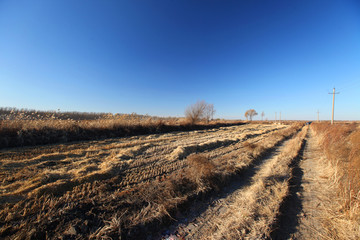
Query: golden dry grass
[
  {"x": 22, "y": 131},
  {"x": 122, "y": 187},
  {"x": 341, "y": 144},
  {"x": 253, "y": 210}
]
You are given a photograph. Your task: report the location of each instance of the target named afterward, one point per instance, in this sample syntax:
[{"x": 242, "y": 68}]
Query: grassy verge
[{"x": 341, "y": 145}]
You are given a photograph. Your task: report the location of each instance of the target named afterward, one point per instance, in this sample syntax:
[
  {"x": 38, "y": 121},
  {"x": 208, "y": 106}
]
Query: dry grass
[
  {"x": 341, "y": 144},
  {"x": 254, "y": 209},
  {"x": 201, "y": 171},
  {"x": 120, "y": 188},
  {"x": 29, "y": 128}
]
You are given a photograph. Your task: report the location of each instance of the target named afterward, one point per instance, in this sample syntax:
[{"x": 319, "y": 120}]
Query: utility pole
[
  {"x": 332, "y": 115},
  {"x": 275, "y": 116},
  {"x": 318, "y": 115}
]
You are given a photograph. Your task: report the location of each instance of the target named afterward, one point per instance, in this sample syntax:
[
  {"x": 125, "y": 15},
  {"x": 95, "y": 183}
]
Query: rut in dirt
[{"x": 291, "y": 206}]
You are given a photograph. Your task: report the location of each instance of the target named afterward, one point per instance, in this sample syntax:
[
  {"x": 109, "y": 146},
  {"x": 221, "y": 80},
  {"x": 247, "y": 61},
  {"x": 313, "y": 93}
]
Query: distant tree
[
  {"x": 199, "y": 111},
  {"x": 209, "y": 112},
  {"x": 262, "y": 115},
  {"x": 249, "y": 114}
]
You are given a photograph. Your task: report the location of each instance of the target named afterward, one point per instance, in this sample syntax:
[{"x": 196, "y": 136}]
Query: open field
[
  {"x": 221, "y": 183},
  {"x": 19, "y": 128}
]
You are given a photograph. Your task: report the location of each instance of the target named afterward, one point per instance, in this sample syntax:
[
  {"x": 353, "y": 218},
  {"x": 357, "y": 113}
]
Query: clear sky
[{"x": 157, "y": 57}]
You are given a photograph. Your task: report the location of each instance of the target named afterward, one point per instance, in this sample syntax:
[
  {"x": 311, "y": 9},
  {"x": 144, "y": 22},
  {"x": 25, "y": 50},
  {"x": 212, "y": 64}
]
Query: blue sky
[{"x": 157, "y": 57}]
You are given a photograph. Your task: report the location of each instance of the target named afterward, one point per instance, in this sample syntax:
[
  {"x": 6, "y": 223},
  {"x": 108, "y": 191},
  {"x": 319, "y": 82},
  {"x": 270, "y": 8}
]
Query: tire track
[{"x": 310, "y": 195}]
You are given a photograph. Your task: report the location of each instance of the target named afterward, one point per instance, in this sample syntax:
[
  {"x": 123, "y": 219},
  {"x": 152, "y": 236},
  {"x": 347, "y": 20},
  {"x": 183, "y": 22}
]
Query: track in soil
[
  {"x": 315, "y": 197},
  {"x": 303, "y": 212},
  {"x": 291, "y": 206}
]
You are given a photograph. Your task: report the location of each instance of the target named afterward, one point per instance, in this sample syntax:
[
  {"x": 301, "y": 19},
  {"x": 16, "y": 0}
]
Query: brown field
[
  {"x": 31, "y": 128},
  {"x": 228, "y": 182}
]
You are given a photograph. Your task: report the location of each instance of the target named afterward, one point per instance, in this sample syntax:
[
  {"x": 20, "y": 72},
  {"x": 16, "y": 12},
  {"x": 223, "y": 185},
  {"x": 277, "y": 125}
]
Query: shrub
[{"x": 201, "y": 169}]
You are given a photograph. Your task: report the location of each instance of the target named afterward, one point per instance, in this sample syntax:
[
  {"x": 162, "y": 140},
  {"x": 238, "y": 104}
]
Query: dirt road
[
  {"x": 304, "y": 211},
  {"x": 281, "y": 196}
]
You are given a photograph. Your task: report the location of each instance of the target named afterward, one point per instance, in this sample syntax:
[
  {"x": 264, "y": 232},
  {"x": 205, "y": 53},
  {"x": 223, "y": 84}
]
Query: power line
[{"x": 333, "y": 103}]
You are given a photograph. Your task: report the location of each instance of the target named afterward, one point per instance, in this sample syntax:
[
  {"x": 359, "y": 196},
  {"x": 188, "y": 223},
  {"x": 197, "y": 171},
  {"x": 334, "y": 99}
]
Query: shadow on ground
[{"x": 292, "y": 206}]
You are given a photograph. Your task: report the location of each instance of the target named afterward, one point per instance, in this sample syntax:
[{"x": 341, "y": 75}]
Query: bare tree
[
  {"x": 195, "y": 112},
  {"x": 262, "y": 115},
  {"x": 209, "y": 112},
  {"x": 199, "y": 111},
  {"x": 249, "y": 114}
]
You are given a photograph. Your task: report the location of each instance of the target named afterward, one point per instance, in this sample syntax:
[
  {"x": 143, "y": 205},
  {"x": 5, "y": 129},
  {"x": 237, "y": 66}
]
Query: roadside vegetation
[{"x": 341, "y": 144}]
